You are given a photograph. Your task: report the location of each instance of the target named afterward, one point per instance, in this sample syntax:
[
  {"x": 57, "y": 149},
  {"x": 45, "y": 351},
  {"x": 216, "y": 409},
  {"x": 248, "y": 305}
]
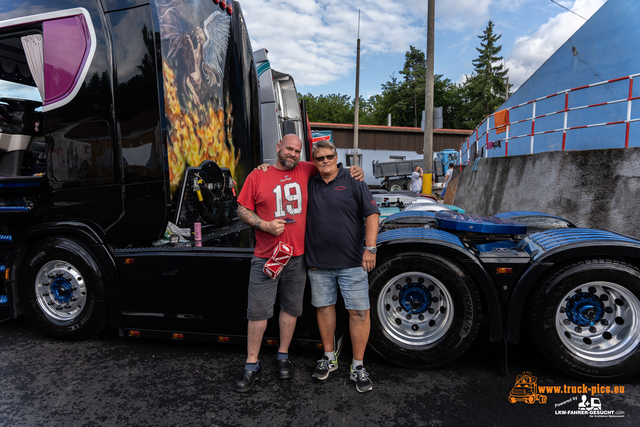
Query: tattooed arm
[{"x": 275, "y": 227}]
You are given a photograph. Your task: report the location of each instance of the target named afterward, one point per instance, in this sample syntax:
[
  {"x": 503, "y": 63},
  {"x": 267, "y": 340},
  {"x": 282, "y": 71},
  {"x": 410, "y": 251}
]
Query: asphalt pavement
[{"x": 113, "y": 381}]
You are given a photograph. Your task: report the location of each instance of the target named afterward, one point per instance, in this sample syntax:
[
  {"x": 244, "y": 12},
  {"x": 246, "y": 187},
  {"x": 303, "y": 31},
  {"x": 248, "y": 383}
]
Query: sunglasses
[{"x": 321, "y": 158}]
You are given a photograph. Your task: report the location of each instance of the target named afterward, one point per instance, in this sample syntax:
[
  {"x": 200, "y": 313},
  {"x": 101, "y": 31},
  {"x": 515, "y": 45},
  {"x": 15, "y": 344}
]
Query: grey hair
[{"x": 322, "y": 144}]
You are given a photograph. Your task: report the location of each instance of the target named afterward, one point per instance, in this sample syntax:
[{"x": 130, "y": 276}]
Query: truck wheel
[
  {"x": 585, "y": 319},
  {"x": 63, "y": 290},
  {"x": 396, "y": 185},
  {"x": 425, "y": 311},
  {"x": 407, "y": 185}
]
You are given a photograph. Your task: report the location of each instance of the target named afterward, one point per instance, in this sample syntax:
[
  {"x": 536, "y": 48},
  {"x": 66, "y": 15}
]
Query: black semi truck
[{"x": 148, "y": 106}]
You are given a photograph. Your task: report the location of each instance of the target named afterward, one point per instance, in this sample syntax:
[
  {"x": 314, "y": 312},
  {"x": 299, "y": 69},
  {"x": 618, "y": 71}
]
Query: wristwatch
[{"x": 371, "y": 249}]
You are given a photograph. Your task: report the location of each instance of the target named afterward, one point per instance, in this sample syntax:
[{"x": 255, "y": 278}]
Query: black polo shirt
[{"x": 335, "y": 221}]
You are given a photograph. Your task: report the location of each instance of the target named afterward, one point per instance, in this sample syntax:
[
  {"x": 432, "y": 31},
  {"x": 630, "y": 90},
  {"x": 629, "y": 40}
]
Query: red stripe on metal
[
  {"x": 597, "y": 105},
  {"x": 578, "y": 127},
  {"x": 618, "y": 79},
  {"x": 564, "y": 139},
  {"x": 578, "y": 88},
  {"x": 631, "y": 90},
  {"x": 626, "y": 137}
]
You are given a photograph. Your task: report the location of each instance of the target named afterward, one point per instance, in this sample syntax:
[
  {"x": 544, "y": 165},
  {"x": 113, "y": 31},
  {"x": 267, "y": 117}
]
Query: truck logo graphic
[
  {"x": 526, "y": 390},
  {"x": 593, "y": 405}
]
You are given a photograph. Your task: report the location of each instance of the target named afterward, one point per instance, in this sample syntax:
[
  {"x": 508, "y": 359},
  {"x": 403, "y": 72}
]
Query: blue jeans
[{"x": 353, "y": 284}]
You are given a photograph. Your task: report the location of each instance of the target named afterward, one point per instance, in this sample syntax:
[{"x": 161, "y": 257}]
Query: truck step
[
  {"x": 6, "y": 237},
  {"x": 15, "y": 208},
  {"x": 11, "y": 212},
  {"x": 3, "y": 299}
]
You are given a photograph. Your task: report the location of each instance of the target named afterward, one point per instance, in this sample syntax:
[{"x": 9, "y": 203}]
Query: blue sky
[{"x": 315, "y": 41}]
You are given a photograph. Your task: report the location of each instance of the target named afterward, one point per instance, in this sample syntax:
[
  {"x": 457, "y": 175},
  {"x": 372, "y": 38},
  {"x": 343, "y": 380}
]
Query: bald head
[{"x": 288, "y": 152}]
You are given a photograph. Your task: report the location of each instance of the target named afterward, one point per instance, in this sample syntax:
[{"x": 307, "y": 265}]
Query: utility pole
[
  {"x": 356, "y": 150},
  {"x": 427, "y": 172},
  {"x": 506, "y": 98}
]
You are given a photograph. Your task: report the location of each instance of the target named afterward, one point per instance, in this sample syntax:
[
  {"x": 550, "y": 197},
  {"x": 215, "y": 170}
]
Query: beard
[{"x": 288, "y": 162}]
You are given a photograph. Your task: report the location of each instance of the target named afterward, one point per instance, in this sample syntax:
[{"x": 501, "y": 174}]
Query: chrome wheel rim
[
  {"x": 598, "y": 322},
  {"x": 415, "y": 309},
  {"x": 60, "y": 292}
]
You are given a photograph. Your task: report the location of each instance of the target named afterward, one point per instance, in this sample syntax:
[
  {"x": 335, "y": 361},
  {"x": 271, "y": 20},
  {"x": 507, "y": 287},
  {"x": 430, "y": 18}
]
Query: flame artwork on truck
[{"x": 200, "y": 115}]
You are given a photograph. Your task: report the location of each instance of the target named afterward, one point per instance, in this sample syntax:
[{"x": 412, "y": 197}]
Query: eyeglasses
[{"x": 321, "y": 158}]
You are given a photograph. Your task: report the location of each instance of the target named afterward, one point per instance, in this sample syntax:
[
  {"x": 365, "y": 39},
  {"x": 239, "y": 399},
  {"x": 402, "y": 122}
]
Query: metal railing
[{"x": 484, "y": 141}]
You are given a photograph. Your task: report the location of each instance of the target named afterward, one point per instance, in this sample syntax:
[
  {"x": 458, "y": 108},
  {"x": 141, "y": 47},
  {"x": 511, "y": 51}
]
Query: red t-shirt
[{"x": 279, "y": 194}]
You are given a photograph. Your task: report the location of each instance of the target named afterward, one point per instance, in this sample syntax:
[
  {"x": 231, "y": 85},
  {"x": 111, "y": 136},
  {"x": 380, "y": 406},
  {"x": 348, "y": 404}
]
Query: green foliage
[
  {"x": 333, "y": 108},
  {"x": 336, "y": 108}
]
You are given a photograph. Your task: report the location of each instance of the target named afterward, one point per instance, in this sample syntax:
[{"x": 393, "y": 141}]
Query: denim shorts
[
  {"x": 353, "y": 284},
  {"x": 289, "y": 286}
]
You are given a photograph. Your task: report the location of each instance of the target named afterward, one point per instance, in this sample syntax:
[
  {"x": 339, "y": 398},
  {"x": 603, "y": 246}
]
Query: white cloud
[
  {"x": 529, "y": 52},
  {"x": 316, "y": 41},
  {"x": 462, "y": 15}
]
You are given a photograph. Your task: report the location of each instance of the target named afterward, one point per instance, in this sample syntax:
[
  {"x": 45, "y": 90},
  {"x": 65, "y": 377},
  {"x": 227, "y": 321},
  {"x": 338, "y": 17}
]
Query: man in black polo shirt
[{"x": 342, "y": 228}]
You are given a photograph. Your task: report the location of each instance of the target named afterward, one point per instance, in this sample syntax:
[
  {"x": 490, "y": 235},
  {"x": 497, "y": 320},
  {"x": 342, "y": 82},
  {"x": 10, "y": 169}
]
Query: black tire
[
  {"x": 584, "y": 318},
  {"x": 63, "y": 290},
  {"x": 396, "y": 185},
  {"x": 407, "y": 185},
  {"x": 425, "y": 310}
]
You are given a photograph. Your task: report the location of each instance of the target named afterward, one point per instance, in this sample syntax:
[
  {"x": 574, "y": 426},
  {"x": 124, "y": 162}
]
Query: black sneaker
[
  {"x": 361, "y": 377},
  {"x": 324, "y": 367}
]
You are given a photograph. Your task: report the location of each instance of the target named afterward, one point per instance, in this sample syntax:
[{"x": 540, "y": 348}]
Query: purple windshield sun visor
[{"x": 68, "y": 46}]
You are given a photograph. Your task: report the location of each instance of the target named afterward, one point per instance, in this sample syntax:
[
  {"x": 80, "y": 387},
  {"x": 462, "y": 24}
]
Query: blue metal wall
[{"x": 604, "y": 48}]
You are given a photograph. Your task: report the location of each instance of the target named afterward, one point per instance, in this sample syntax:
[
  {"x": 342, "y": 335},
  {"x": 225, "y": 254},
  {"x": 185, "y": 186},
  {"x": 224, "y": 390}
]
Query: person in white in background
[
  {"x": 416, "y": 180},
  {"x": 447, "y": 178}
]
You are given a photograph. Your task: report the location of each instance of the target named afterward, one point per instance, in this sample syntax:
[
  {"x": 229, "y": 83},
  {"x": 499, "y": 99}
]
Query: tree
[
  {"x": 403, "y": 99},
  {"x": 485, "y": 89},
  {"x": 413, "y": 87},
  {"x": 333, "y": 108}
]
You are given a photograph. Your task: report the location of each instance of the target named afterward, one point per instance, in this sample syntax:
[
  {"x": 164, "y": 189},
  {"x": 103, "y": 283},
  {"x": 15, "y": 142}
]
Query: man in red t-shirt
[{"x": 275, "y": 204}]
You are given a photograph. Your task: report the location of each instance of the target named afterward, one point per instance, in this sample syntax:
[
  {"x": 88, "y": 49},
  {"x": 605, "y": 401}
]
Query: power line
[{"x": 568, "y": 9}]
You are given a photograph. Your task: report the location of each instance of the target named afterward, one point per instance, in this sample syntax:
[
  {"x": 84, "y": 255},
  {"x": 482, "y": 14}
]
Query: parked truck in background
[
  {"x": 146, "y": 105},
  {"x": 396, "y": 175}
]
